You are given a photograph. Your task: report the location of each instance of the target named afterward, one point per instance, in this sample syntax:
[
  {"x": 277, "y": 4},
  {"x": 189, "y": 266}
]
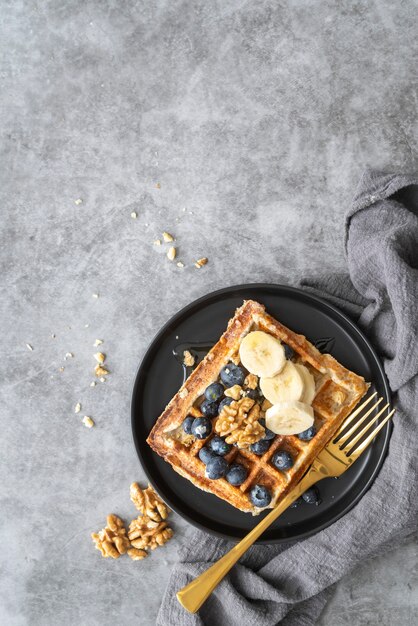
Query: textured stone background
[{"x": 258, "y": 119}]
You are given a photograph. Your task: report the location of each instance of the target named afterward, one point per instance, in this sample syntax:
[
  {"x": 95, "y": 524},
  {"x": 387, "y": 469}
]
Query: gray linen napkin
[{"x": 291, "y": 584}]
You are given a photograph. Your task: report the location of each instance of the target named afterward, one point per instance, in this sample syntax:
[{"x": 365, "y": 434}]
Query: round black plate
[{"x": 161, "y": 374}]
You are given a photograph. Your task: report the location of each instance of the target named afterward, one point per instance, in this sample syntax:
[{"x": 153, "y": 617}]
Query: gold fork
[{"x": 333, "y": 460}]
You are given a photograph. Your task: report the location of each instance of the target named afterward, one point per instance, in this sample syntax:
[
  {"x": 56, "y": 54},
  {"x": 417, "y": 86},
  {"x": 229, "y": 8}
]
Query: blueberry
[
  {"x": 269, "y": 433},
  {"x": 187, "y": 425},
  {"x": 251, "y": 393},
  {"x": 205, "y": 455},
  {"x": 307, "y": 435},
  {"x": 201, "y": 427},
  {"x": 219, "y": 446},
  {"x": 214, "y": 392},
  {"x": 236, "y": 474},
  {"x": 224, "y": 402},
  {"x": 216, "y": 468},
  {"x": 260, "y": 496},
  {"x": 209, "y": 409},
  {"x": 311, "y": 496},
  {"x": 260, "y": 447},
  {"x": 282, "y": 460},
  {"x": 232, "y": 375},
  {"x": 288, "y": 351}
]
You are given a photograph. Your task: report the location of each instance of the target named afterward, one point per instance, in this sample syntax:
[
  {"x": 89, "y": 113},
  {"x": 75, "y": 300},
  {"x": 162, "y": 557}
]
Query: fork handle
[{"x": 193, "y": 595}]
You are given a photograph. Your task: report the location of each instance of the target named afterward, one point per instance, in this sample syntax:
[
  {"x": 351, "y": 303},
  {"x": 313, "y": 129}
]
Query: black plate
[{"x": 198, "y": 326}]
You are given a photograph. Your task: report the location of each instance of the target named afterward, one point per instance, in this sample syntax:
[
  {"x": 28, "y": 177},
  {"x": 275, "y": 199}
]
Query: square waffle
[{"x": 337, "y": 391}]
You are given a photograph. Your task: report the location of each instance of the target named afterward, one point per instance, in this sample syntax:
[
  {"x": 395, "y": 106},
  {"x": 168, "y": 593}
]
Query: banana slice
[
  {"x": 308, "y": 384},
  {"x": 262, "y": 354},
  {"x": 285, "y": 387},
  {"x": 289, "y": 418}
]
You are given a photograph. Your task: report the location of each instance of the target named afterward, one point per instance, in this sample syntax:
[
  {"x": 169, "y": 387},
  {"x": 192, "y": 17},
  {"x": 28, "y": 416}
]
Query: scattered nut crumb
[
  {"x": 86, "y": 325},
  {"x": 201, "y": 262},
  {"x": 87, "y": 421},
  {"x": 171, "y": 254},
  {"x": 93, "y": 383},
  {"x": 102, "y": 380},
  {"x": 100, "y": 357},
  {"x": 29, "y": 347},
  {"x": 52, "y": 336},
  {"x": 68, "y": 355},
  {"x": 188, "y": 358},
  {"x": 77, "y": 408},
  {"x": 61, "y": 369},
  {"x": 184, "y": 208},
  {"x": 167, "y": 237},
  {"x": 134, "y": 215},
  {"x": 180, "y": 264},
  {"x": 78, "y": 201},
  {"x": 98, "y": 342},
  {"x": 157, "y": 242},
  {"x": 95, "y": 295},
  {"x": 158, "y": 185},
  {"x": 100, "y": 371},
  {"x": 183, "y": 393}
]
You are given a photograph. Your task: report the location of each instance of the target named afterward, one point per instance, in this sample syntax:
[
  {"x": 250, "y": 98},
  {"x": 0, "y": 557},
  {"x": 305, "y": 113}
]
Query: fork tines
[{"x": 350, "y": 433}]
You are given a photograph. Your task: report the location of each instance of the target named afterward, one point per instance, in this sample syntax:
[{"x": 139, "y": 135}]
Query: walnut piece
[
  {"x": 233, "y": 392},
  {"x": 100, "y": 371},
  {"x": 136, "y": 554},
  {"x": 266, "y": 404},
  {"x": 100, "y": 357},
  {"x": 112, "y": 539},
  {"x": 238, "y": 423},
  {"x": 188, "y": 358},
  {"x": 171, "y": 254},
  {"x": 145, "y": 533},
  {"x": 251, "y": 381},
  {"x": 148, "y": 502}
]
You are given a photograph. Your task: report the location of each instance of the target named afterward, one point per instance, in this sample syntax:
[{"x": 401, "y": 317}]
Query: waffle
[{"x": 337, "y": 391}]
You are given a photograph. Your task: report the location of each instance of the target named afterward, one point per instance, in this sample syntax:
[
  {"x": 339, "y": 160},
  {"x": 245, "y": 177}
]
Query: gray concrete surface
[{"x": 257, "y": 119}]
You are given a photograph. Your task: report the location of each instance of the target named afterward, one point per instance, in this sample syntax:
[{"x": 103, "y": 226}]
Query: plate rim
[{"x": 293, "y": 290}]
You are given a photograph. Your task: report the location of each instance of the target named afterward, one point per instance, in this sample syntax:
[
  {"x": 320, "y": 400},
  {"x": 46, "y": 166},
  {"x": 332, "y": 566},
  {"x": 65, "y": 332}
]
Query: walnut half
[
  {"x": 148, "y": 502},
  {"x": 146, "y": 534},
  {"x": 112, "y": 539},
  {"x": 238, "y": 423}
]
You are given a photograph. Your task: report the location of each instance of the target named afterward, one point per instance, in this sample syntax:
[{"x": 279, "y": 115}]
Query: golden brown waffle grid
[{"x": 337, "y": 392}]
